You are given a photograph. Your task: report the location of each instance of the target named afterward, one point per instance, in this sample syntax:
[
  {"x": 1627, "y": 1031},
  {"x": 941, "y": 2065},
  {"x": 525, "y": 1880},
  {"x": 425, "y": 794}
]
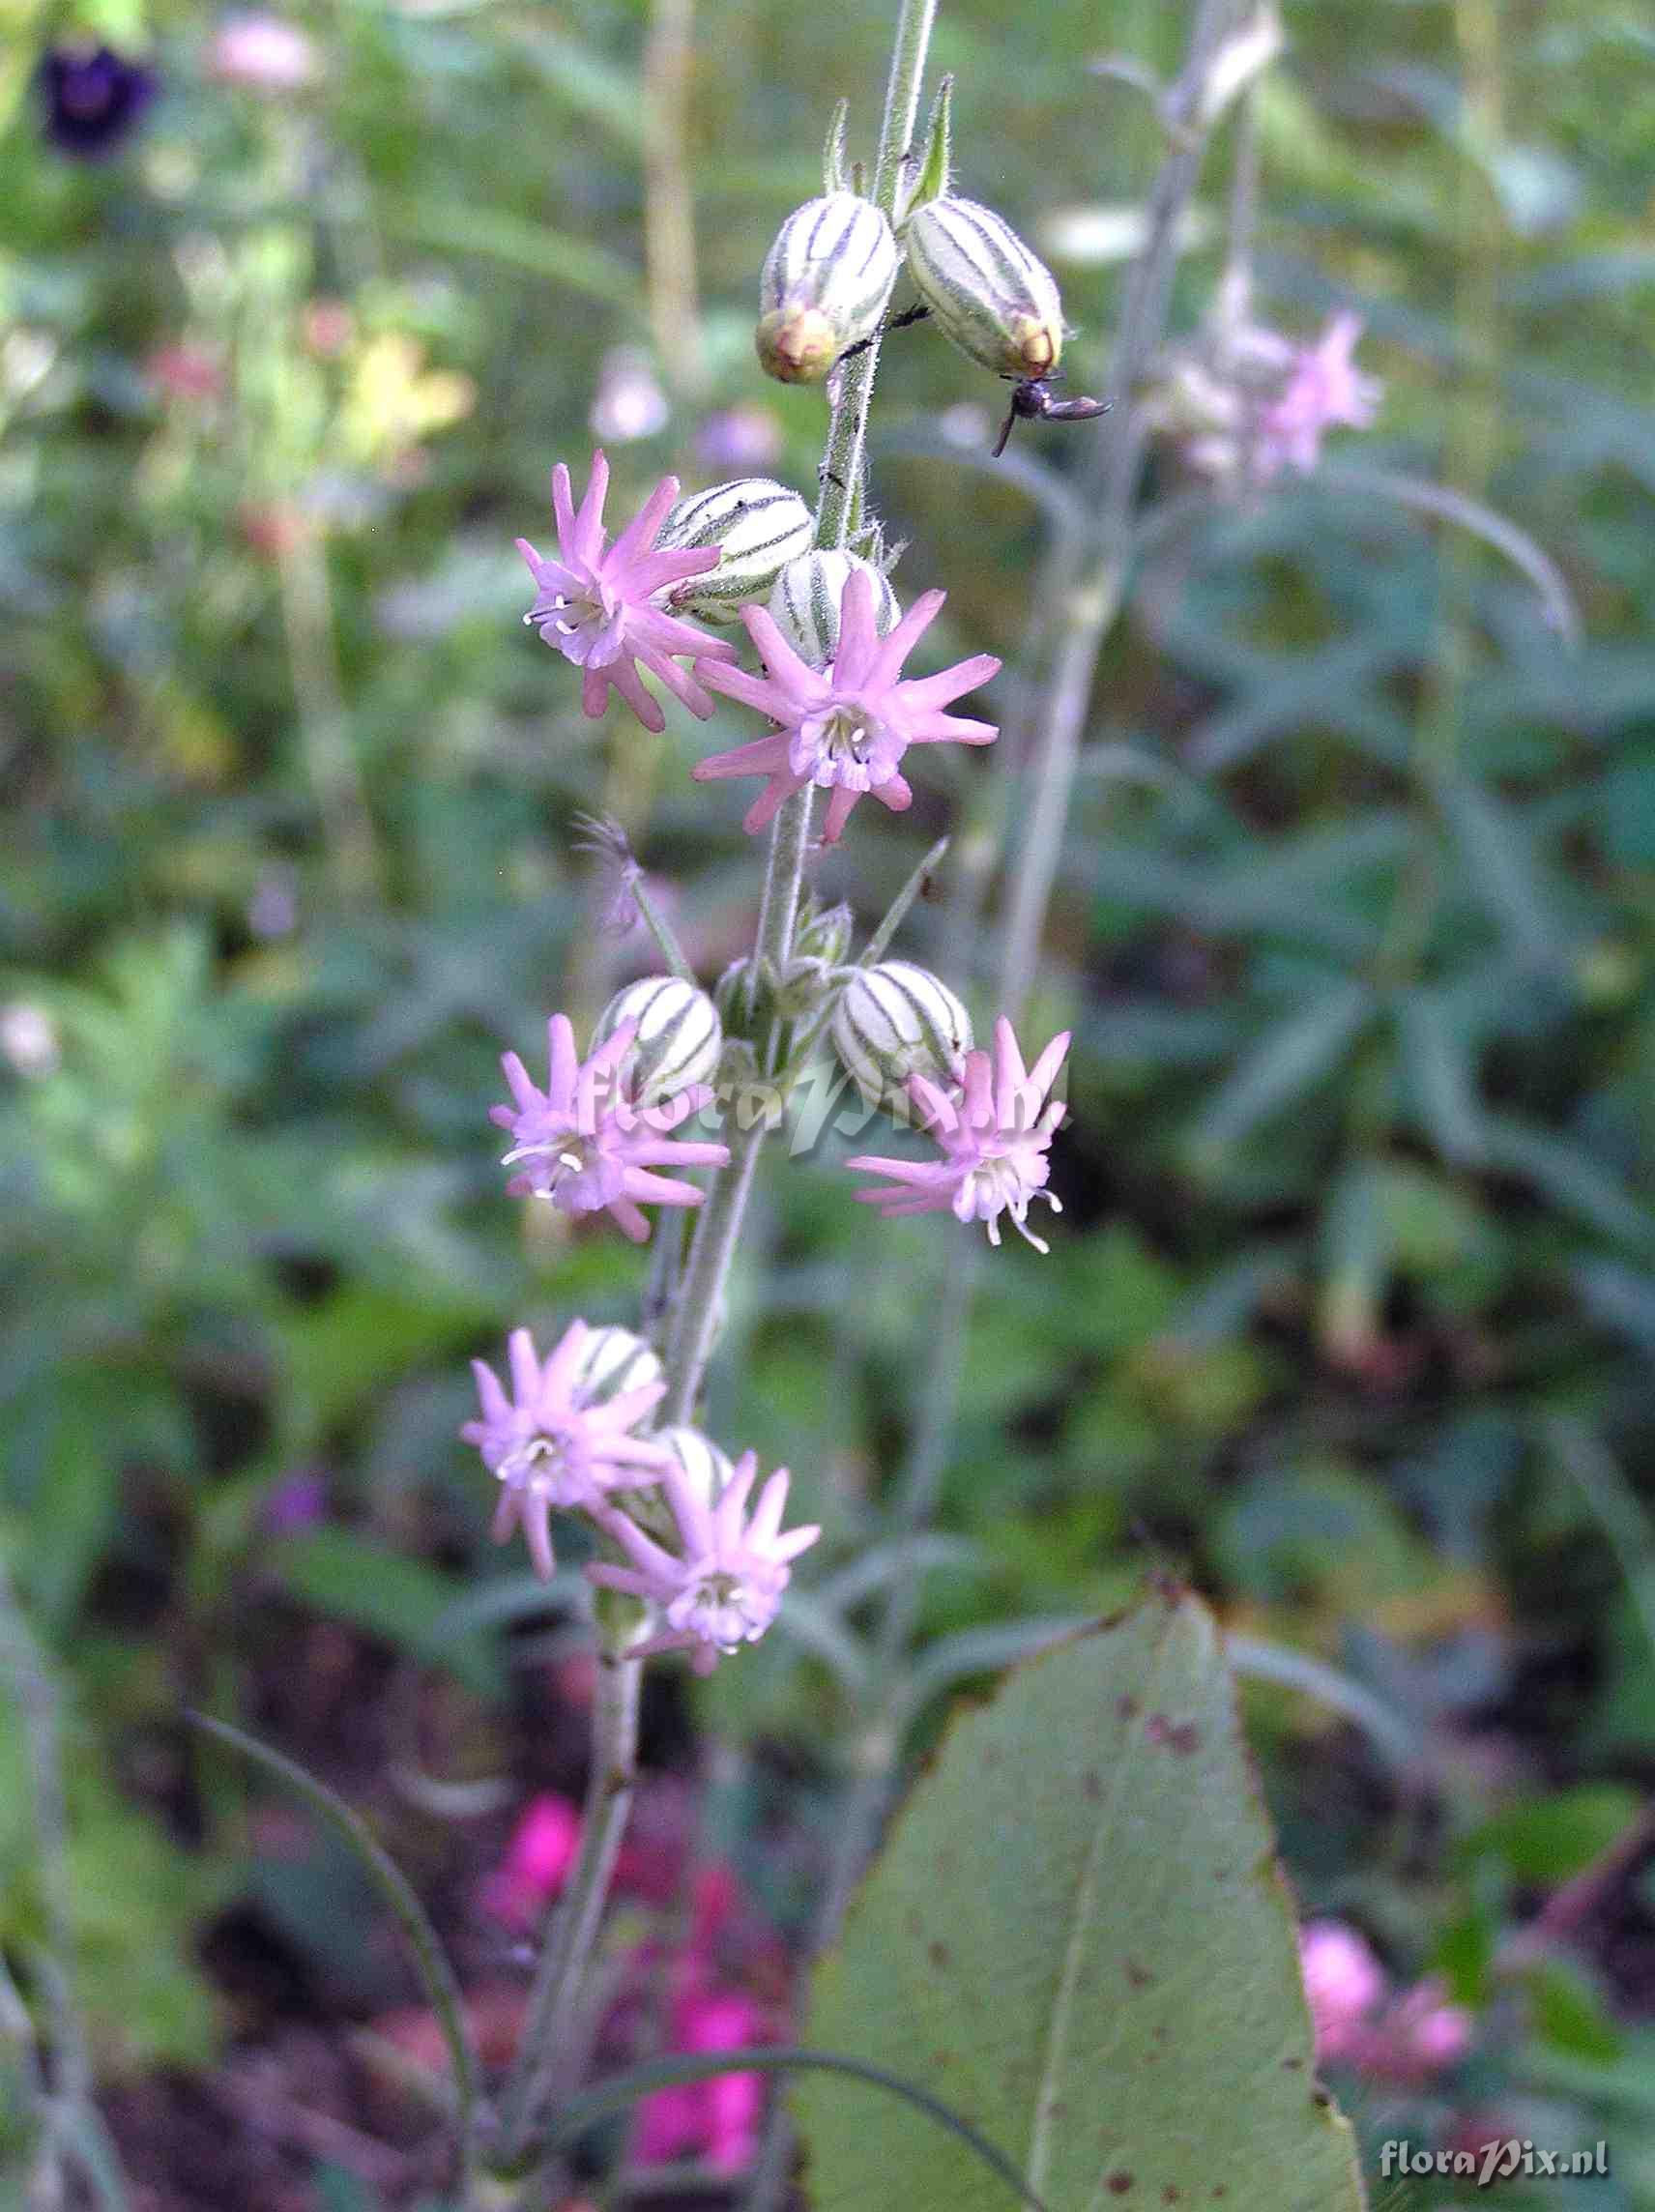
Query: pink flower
[
  {"x": 584, "y": 1145},
  {"x": 717, "y": 2119},
  {"x": 262, "y": 53},
  {"x": 845, "y": 727},
  {"x": 538, "y": 1861},
  {"x": 1323, "y": 387},
  {"x": 1343, "y": 1982},
  {"x": 993, "y": 1133},
  {"x": 726, "y": 1590},
  {"x": 597, "y": 602},
  {"x": 548, "y": 1449}
]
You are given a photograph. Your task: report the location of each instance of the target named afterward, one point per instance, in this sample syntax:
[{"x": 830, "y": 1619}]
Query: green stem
[{"x": 548, "y": 2057}]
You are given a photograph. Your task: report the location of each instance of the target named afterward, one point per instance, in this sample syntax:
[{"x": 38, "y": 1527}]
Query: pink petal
[
  {"x": 627, "y": 680},
  {"x": 839, "y": 805},
  {"x": 640, "y": 532},
  {"x": 563, "y": 507},
  {"x": 802, "y": 683},
  {"x": 627, "y": 1217},
  {"x": 895, "y": 648},
  {"x": 564, "y": 1063},
  {"x": 922, "y": 693},
  {"x": 589, "y": 522},
  {"x": 770, "y": 801},
  {"x": 752, "y": 692},
  {"x": 525, "y": 1367}
]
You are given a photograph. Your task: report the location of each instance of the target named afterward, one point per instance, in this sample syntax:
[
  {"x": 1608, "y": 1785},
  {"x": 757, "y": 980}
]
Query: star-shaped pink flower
[
  {"x": 726, "y": 1589},
  {"x": 583, "y": 1144},
  {"x": 845, "y": 727},
  {"x": 548, "y": 1448},
  {"x": 598, "y": 603},
  {"x": 993, "y": 1133},
  {"x": 1324, "y": 390}
]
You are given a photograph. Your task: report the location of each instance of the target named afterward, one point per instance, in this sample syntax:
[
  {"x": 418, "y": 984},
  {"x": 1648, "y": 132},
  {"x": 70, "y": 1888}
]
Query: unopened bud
[
  {"x": 894, "y": 1021},
  {"x": 824, "y": 284},
  {"x": 825, "y": 935},
  {"x": 986, "y": 291},
  {"x": 806, "y": 602},
  {"x": 703, "y": 1467},
  {"x": 612, "y": 1360},
  {"x": 758, "y": 526},
  {"x": 678, "y": 1040}
]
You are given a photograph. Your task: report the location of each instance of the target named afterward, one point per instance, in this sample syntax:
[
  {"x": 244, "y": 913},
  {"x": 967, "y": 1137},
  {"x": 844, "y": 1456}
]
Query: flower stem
[
  {"x": 549, "y": 2058},
  {"x": 549, "y": 2054}
]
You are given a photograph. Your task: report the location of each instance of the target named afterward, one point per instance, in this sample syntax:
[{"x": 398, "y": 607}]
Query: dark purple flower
[{"x": 92, "y": 98}]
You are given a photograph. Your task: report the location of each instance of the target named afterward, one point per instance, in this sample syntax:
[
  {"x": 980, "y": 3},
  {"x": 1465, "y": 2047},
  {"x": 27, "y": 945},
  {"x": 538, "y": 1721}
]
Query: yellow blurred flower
[{"x": 394, "y": 402}]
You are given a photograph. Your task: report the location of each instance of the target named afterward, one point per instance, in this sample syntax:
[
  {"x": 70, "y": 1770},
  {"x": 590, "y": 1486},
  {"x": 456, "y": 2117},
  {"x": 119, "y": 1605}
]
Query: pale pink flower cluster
[
  {"x": 1405, "y": 2038},
  {"x": 553, "y": 1446},
  {"x": 1243, "y": 403},
  {"x": 993, "y": 1133},
  {"x": 584, "y": 1145}
]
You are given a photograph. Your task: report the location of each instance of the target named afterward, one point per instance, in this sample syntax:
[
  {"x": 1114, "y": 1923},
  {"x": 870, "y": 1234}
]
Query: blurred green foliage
[{"x": 1352, "y": 1312}]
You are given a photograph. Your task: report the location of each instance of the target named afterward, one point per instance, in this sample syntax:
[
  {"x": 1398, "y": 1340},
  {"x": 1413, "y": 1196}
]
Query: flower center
[
  {"x": 724, "y": 1609},
  {"x": 1006, "y": 1183},
  {"x": 588, "y": 628},
  {"x": 574, "y": 1170},
  {"x": 545, "y": 1466},
  {"x": 844, "y": 745}
]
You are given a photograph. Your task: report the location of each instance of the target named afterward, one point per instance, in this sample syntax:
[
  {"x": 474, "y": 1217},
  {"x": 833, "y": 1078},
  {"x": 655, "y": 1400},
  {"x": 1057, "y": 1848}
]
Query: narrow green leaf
[
  {"x": 436, "y": 1975},
  {"x": 1078, "y": 1937},
  {"x": 1440, "y": 1076},
  {"x": 529, "y": 248},
  {"x": 624, "y": 2089},
  {"x": 1286, "y": 1062},
  {"x": 835, "y": 176},
  {"x": 932, "y": 180}
]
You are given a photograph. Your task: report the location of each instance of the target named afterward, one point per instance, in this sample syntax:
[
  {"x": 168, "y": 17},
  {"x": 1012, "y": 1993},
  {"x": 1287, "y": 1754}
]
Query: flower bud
[
  {"x": 824, "y": 284},
  {"x": 824, "y": 934},
  {"x": 894, "y": 1021},
  {"x": 701, "y": 1462},
  {"x": 612, "y": 1360},
  {"x": 758, "y": 527},
  {"x": 985, "y": 290},
  {"x": 677, "y": 1042},
  {"x": 805, "y": 604}
]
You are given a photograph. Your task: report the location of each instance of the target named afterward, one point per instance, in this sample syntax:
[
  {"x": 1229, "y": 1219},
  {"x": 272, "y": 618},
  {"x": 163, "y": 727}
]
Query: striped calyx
[
  {"x": 613, "y": 1360},
  {"x": 701, "y": 1462},
  {"x": 805, "y": 601},
  {"x": 824, "y": 284},
  {"x": 757, "y": 525},
  {"x": 677, "y": 1042},
  {"x": 894, "y": 1021},
  {"x": 997, "y": 301}
]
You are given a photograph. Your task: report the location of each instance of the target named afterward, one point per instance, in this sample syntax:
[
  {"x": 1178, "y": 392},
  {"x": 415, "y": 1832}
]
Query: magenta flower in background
[
  {"x": 718, "y": 2120},
  {"x": 582, "y": 1144},
  {"x": 1324, "y": 390},
  {"x": 845, "y": 727},
  {"x": 726, "y": 1590},
  {"x": 262, "y": 53},
  {"x": 597, "y": 603},
  {"x": 993, "y": 1133},
  {"x": 1343, "y": 1982},
  {"x": 549, "y": 1449},
  {"x": 538, "y": 1861}
]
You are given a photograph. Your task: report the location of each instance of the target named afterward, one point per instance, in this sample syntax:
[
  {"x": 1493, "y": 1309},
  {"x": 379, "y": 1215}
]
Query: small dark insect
[
  {"x": 1035, "y": 401},
  {"x": 919, "y": 314}
]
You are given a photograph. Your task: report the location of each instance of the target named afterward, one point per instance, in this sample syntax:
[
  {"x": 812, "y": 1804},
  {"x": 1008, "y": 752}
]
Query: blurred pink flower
[
  {"x": 727, "y": 1588},
  {"x": 597, "y": 603},
  {"x": 548, "y": 1449},
  {"x": 740, "y": 440},
  {"x": 1343, "y": 1981},
  {"x": 583, "y": 1144},
  {"x": 538, "y": 1862},
  {"x": 995, "y": 1133},
  {"x": 1324, "y": 390},
  {"x": 1421, "y": 2035},
  {"x": 262, "y": 53},
  {"x": 718, "y": 2120},
  {"x": 846, "y": 727}
]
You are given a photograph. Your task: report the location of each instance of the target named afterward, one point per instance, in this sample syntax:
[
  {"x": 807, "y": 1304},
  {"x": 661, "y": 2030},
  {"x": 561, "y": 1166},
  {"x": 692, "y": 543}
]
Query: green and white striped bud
[
  {"x": 824, "y": 934},
  {"x": 986, "y": 291},
  {"x": 824, "y": 284},
  {"x": 758, "y": 526},
  {"x": 701, "y": 1462},
  {"x": 679, "y": 1038},
  {"x": 613, "y": 1360},
  {"x": 806, "y": 602},
  {"x": 894, "y": 1021}
]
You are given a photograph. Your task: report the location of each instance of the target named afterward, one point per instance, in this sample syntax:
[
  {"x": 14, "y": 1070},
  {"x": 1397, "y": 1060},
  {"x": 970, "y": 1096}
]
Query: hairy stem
[{"x": 549, "y": 2055}]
